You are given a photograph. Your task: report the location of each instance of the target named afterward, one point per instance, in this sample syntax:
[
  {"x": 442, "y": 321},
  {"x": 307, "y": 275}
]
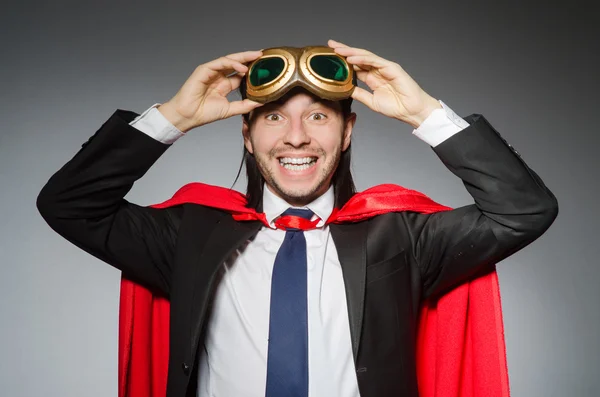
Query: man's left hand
[{"x": 395, "y": 94}]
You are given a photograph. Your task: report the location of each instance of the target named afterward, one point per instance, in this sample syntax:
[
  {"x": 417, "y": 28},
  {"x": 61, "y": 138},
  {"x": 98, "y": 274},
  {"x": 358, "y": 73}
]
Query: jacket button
[{"x": 186, "y": 368}]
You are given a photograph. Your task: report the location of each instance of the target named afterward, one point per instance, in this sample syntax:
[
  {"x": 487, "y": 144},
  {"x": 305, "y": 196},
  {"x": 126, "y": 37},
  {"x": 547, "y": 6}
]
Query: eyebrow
[{"x": 280, "y": 102}]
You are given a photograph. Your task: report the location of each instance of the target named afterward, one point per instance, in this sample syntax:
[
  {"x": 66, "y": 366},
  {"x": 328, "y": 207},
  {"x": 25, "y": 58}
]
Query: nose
[{"x": 297, "y": 135}]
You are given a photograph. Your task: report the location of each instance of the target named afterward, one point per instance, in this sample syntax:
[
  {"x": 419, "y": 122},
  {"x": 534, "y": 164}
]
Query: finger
[
  {"x": 372, "y": 80},
  {"x": 361, "y": 69},
  {"x": 349, "y": 51},
  {"x": 333, "y": 43},
  {"x": 224, "y": 63},
  {"x": 362, "y": 75},
  {"x": 364, "y": 96},
  {"x": 231, "y": 83},
  {"x": 367, "y": 60},
  {"x": 346, "y": 50},
  {"x": 245, "y": 57},
  {"x": 220, "y": 67},
  {"x": 235, "y": 81},
  {"x": 241, "y": 107},
  {"x": 389, "y": 70}
]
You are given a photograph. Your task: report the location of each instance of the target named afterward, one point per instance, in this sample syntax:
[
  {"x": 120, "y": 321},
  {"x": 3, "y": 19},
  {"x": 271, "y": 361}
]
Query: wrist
[
  {"x": 181, "y": 123},
  {"x": 431, "y": 104}
]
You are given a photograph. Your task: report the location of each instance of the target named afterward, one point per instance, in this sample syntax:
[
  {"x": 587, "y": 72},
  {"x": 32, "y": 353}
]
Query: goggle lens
[
  {"x": 330, "y": 67},
  {"x": 266, "y": 70}
]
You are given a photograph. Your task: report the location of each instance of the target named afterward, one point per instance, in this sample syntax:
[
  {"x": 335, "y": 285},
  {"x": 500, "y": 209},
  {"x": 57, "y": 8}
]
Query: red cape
[{"x": 460, "y": 340}]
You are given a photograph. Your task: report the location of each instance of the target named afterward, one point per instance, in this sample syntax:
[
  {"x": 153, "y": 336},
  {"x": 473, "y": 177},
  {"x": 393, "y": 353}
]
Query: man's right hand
[{"x": 203, "y": 97}]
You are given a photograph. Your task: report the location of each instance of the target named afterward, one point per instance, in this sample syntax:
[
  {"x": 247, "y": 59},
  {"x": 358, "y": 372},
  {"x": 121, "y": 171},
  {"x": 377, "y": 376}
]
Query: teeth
[
  {"x": 291, "y": 160},
  {"x": 297, "y": 164},
  {"x": 296, "y": 167}
]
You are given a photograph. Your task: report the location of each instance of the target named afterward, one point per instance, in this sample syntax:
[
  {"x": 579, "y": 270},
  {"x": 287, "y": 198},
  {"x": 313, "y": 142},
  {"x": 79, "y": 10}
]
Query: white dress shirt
[{"x": 233, "y": 358}]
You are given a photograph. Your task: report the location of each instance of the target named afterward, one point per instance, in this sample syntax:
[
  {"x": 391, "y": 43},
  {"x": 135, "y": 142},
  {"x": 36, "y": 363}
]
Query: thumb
[
  {"x": 364, "y": 96},
  {"x": 241, "y": 107}
]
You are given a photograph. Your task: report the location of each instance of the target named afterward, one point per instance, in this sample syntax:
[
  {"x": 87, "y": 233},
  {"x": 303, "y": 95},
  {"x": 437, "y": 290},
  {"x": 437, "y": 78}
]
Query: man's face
[{"x": 297, "y": 143}]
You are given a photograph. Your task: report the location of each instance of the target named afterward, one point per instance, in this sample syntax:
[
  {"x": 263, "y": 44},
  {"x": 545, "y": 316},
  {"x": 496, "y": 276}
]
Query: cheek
[
  {"x": 263, "y": 144},
  {"x": 331, "y": 145}
]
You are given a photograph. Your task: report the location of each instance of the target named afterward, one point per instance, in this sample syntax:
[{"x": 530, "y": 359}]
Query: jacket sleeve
[
  {"x": 512, "y": 208},
  {"x": 84, "y": 202}
]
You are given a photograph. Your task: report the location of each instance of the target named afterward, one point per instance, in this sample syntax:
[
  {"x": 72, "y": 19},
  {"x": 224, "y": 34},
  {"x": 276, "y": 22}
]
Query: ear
[
  {"x": 246, "y": 135},
  {"x": 348, "y": 125}
]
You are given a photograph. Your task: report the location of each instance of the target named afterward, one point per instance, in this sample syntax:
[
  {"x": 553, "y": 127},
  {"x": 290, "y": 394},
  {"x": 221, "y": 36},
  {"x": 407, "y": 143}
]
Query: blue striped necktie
[{"x": 287, "y": 362}]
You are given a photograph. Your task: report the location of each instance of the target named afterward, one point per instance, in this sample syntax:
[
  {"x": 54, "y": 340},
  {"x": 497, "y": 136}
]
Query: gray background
[{"x": 530, "y": 69}]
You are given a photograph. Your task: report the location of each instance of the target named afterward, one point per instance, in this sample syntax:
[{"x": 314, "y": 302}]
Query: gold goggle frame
[{"x": 297, "y": 71}]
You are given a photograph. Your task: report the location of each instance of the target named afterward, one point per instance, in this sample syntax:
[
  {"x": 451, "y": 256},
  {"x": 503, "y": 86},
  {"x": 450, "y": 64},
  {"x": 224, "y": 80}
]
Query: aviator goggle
[{"x": 318, "y": 69}]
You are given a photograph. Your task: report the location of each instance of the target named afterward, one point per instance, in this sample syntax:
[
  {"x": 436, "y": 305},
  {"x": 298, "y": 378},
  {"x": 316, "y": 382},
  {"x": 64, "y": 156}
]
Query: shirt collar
[{"x": 274, "y": 206}]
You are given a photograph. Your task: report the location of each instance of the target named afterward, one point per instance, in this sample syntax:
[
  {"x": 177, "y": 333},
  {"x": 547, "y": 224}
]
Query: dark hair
[{"x": 343, "y": 184}]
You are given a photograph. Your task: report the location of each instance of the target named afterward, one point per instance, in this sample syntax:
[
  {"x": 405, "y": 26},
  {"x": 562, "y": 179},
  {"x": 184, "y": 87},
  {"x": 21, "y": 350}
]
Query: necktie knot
[{"x": 296, "y": 219}]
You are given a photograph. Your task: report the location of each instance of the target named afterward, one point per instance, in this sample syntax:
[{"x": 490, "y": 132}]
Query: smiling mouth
[{"x": 297, "y": 164}]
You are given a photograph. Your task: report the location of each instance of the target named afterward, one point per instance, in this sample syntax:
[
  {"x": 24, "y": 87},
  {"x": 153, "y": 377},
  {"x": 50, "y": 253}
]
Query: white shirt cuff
[
  {"x": 440, "y": 125},
  {"x": 155, "y": 125}
]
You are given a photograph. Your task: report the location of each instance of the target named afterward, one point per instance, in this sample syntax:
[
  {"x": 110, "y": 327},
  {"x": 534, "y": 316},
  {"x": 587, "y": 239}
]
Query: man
[{"x": 364, "y": 281}]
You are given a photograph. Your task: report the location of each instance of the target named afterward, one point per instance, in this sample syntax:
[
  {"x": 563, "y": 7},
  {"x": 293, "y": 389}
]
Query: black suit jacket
[{"x": 390, "y": 263}]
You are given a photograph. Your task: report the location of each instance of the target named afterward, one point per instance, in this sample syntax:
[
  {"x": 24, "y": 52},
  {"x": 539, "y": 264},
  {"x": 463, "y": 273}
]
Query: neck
[{"x": 298, "y": 201}]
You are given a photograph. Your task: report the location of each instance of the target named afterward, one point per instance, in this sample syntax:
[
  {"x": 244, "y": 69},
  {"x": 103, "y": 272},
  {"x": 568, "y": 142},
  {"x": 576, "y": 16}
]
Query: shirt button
[{"x": 186, "y": 368}]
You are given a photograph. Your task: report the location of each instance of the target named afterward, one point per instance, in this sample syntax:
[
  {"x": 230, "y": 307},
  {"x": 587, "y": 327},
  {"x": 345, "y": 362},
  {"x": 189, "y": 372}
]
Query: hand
[
  {"x": 395, "y": 93},
  {"x": 203, "y": 97}
]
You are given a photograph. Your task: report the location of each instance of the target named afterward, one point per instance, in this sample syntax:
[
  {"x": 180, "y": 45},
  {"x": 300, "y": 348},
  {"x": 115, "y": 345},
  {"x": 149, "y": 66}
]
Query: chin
[{"x": 296, "y": 194}]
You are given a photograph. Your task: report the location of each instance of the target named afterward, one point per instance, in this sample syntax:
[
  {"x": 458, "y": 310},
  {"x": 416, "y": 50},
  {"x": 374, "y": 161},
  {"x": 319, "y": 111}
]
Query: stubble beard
[{"x": 298, "y": 196}]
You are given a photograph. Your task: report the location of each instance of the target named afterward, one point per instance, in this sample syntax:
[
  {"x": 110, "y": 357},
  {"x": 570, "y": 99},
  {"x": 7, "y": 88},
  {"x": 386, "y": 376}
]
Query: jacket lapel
[
  {"x": 227, "y": 236},
  {"x": 351, "y": 242}
]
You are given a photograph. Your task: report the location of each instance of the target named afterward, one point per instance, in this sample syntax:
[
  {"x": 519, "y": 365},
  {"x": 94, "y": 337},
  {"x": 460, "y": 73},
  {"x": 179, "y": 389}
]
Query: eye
[
  {"x": 275, "y": 117},
  {"x": 320, "y": 116}
]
